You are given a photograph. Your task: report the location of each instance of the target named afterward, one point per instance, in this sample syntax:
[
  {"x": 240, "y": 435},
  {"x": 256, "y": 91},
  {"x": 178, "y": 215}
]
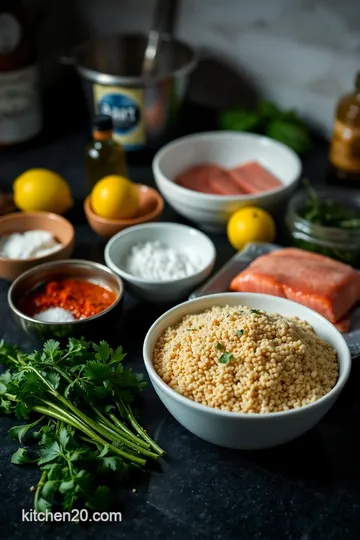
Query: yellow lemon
[
  {"x": 42, "y": 190},
  {"x": 250, "y": 224},
  {"x": 115, "y": 197}
]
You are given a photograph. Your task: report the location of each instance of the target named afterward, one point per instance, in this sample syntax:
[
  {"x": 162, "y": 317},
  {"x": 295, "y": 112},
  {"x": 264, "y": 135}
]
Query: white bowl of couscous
[{"x": 237, "y": 370}]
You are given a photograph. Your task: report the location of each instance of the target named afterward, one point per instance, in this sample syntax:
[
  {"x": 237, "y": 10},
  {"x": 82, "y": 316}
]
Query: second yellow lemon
[
  {"x": 115, "y": 197},
  {"x": 250, "y": 224}
]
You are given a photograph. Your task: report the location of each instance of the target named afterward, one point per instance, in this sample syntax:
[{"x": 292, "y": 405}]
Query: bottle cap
[{"x": 102, "y": 122}]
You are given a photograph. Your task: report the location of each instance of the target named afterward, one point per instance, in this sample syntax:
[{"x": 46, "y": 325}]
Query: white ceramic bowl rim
[
  {"x": 196, "y": 196},
  {"x": 162, "y": 225},
  {"x": 205, "y": 408}
]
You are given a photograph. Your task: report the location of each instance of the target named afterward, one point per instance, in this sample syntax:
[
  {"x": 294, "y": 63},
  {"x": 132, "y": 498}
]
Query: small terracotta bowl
[
  {"x": 19, "y": 222},
  {"x": 151, "y": 208}
]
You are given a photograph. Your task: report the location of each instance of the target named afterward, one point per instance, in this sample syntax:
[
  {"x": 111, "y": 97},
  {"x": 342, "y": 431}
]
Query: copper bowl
[
  {"x": 151, "y": 208},
  {"x": 97, "y": 326},
  {"x": 19, "y": 222}
]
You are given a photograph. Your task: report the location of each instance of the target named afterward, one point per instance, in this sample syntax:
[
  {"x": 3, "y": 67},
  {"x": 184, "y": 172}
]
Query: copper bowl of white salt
[
  {"x": 161, "y": 262},
  {"x": 31, "y": 238}
]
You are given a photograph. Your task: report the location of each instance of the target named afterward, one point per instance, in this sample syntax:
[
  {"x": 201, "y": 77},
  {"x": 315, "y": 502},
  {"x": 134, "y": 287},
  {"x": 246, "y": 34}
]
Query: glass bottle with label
[
  {"x": 20, "y": 109},
  {"x": 345, "y": 145},
  {"x": 104, "y": 156}
]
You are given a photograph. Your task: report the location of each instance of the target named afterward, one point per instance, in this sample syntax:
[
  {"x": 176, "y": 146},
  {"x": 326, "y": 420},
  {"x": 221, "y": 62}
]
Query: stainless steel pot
[{"x": 144, "y": 108}]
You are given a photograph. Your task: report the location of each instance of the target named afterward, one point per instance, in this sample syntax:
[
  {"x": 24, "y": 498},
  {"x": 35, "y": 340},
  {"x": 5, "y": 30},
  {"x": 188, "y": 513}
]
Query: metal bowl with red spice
[{"x": 67, "y": 298}]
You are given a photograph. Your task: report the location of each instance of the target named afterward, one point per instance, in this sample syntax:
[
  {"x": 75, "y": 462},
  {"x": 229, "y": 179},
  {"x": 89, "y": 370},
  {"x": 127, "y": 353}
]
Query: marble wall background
[{"x": 301, "y": 53}]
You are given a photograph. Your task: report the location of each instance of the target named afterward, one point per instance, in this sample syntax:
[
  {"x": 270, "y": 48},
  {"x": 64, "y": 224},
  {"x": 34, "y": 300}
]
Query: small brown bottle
[
  {"x": 345, "y": 145},
  {"x": 104, "y": 156}
]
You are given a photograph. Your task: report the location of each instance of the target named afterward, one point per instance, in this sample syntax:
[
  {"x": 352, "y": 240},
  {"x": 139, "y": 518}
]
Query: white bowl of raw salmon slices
[{"x": 206, "y": 177}]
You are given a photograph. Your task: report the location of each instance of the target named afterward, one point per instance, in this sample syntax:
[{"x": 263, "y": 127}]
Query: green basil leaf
[{"x": 294, "y": 136}]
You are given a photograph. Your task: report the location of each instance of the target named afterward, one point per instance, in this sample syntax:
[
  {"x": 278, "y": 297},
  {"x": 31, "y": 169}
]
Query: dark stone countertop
[{"x": 308, "y": 489}]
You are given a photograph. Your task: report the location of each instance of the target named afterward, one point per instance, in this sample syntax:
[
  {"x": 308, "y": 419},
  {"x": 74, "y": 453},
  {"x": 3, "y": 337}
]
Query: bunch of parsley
[{"x": 77, "y": 405}]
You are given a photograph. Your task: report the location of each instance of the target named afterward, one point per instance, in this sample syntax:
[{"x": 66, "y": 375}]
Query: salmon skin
[
  {"x": 253, "y": 178},
  {"x": 327, "y": 286}
]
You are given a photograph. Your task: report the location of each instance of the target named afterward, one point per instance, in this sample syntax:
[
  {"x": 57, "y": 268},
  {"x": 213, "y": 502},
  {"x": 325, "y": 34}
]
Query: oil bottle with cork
[
  {"x": 104, "y": 156},
  {"x": 344, "y": 155}
]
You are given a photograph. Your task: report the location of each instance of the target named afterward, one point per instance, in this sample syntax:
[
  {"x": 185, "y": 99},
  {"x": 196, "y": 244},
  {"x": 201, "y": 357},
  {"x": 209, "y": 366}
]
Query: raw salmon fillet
[
  {"x": 344, "y": 324},
  {"x": 209, "y": 178},
  {"x": 197, "y": 178},
  {"x": 327, "y": 286},
  {"x": 253, "y": 178}
]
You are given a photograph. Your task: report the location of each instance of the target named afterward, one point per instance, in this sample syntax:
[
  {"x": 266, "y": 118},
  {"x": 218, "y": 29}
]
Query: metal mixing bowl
[
  {"x": 97, "y": 326},
  {"x": 144, "y": 109}
]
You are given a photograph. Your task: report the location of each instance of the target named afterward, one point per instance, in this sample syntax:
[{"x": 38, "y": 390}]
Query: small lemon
[
  {"x": 250, "y": 224},
  {"x": 115, "y": 197},
  {"x": 39, "y": 190}
]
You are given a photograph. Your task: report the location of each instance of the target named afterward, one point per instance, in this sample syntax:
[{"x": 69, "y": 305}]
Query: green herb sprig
[
  {"x": 267, "y": 118},
  {"x": 332, "y": 214},
  {"x": 327, "y": 212},
  {"x": 76, "y": 402}
]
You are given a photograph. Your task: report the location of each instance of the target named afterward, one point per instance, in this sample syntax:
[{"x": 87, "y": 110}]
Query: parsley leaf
[
  {"x": 225, "y": 358},
  {"x": 220, "y": 346},
  {"x": 96, "y": 371},
  {"x": 51, "y": 348},
  {"x": 103, "y": 351},
  {"x": 240, "y": 333},
  {"x": 19, "y": 432},
  {"x": 54, "y": 379},
  {"x": 50, "y": 453},
  {"x": 20, "y": 457},
  {"x": 49, "y": 489}
]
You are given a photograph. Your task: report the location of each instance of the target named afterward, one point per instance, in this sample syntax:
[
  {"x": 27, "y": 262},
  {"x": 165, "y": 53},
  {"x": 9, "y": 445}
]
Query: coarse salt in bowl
[{"x": 187, "y": 256}]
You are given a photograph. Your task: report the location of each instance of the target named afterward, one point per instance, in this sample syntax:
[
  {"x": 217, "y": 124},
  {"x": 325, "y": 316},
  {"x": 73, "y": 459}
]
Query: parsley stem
[
  {"x": 131, "y": 435},
  {"x": 39, "y": 488},
  {"x": 120, "y": 428},
  {"x": 130, "y": 444},
  {"x": 10, "y": 397},
  {"x": 69, "y": 419},
  {"x": 85, "y": 419},
  {"x": 117, "y": 431},
  {"x": 130, "y": 416}
]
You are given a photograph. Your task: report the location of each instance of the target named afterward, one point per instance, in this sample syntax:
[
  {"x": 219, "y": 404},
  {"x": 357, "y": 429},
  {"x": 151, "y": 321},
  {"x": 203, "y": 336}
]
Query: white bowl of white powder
[{"x": 161, "y": 262}]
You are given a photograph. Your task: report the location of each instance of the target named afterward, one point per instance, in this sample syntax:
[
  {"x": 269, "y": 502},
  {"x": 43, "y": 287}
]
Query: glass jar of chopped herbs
[{"x": 326, "y": 221}]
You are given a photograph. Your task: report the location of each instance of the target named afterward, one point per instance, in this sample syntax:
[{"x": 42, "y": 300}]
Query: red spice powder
[{"x": 82, "y": 298}]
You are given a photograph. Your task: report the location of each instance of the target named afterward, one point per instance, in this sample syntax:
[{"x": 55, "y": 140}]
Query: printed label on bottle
[
  {"x": 20, "y": 111},
  {"x": 345, "y": 147},
  {"x": 10, "y": 33},
  {"x": 125, "y": 106}
]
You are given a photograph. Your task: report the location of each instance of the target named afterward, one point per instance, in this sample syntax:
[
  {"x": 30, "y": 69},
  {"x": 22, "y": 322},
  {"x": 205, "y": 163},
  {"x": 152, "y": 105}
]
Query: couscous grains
[{"x": 242, "y": 360}]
